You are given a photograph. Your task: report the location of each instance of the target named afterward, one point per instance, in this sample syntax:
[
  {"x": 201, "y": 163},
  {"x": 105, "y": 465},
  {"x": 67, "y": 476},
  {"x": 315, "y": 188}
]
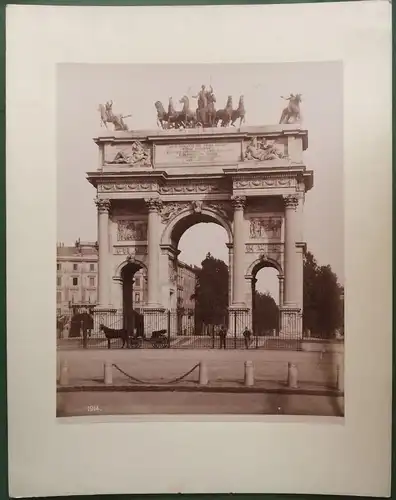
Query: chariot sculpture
[{"x": 205, "y": 114}]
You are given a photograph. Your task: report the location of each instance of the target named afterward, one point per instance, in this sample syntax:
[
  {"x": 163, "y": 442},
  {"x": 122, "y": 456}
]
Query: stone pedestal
[
  {"x": 155, "y": 318},
  {"x": 106, "y": 316},
  {"x": 238, "y": 319}
]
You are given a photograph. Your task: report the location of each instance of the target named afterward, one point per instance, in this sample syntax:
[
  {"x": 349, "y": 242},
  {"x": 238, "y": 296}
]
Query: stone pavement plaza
[{"x": 225, "y": 367}]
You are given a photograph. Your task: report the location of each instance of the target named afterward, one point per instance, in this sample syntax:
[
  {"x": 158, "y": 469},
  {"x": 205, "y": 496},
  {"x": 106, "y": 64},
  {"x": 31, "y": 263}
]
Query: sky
[{"x": 135, "y": 88}]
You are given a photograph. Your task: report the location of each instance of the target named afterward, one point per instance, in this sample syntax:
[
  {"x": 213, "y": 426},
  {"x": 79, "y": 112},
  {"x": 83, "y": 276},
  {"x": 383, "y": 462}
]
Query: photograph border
[{"x": 13, "y": 284}]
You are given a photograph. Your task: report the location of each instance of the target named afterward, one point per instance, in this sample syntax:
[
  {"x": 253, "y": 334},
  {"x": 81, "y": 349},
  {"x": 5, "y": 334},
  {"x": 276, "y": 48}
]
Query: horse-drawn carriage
[{"x": 158, "y": 339}]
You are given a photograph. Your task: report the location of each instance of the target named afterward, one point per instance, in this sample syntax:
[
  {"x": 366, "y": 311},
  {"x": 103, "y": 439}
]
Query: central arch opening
[
  {"x": 203, "y": 280},
  {"x": 265, "y": 300},
  {"x": 133, "y": 292}
]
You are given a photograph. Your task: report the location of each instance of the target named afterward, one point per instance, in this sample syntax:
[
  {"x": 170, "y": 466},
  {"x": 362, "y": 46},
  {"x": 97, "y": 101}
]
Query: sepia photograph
[{"x": 200, "y": 250}]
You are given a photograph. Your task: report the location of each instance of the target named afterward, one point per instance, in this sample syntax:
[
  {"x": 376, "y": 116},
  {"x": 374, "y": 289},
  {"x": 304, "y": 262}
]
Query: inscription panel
[{"x": 198, "y": 153}]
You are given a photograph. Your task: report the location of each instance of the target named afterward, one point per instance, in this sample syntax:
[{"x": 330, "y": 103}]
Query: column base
[
  {"x": 154, "y": 318},
  {"x": 239, "y": 317},
  {"x": 291, "y": 322},
  {"x": 107, "y": 316}
]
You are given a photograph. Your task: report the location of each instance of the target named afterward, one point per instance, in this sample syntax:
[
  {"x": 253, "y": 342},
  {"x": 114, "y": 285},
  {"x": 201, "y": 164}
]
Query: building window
[
  {"x": 92, "y": 267},
  {"x": 137, "y": 281},
  {"x": 58, "y": 281},
  {"x": 91, "y": 281},
  {"x": 59, "y": 296},
  {"x": 75, "y": 267},
  {"x": 58, "y": 267},
  {"x": 137, "y": 297},
  {"x": 75, "y": 281}
]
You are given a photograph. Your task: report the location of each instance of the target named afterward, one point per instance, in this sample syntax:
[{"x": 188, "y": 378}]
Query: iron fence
[{"x": 162, "y": 330}]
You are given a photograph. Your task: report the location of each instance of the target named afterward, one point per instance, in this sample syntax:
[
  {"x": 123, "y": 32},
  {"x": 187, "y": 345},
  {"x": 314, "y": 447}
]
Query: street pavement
[{"x": 159, "y": 366}]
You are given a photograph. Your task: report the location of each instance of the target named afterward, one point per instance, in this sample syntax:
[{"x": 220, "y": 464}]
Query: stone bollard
[
  {"x": 249, "y": 373},
  {"x": 64, "y": 373},
  {"x": 292, "y": 376},
  {"x": 203, "y": 373},
  {"x": 108, "y": 374},
  {"x": 340, "y": 377}
]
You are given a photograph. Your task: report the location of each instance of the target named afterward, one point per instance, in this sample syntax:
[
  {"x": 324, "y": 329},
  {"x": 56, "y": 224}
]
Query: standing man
[
  {"x": 247, "y": 334},
  {"x": 223, "y": 335}
]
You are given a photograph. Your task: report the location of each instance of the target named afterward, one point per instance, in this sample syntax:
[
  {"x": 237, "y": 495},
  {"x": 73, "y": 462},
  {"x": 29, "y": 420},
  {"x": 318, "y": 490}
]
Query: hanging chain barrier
[{"x": 138, "y": 381}]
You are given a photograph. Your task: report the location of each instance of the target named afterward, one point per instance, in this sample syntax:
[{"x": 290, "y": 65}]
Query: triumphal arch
[{"x": 152, "y": 185}]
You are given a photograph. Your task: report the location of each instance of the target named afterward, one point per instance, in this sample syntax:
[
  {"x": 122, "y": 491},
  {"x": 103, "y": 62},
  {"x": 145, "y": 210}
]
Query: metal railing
[{"x": 171, "y": 329}]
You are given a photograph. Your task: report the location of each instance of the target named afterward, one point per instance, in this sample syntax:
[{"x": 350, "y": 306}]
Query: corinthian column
[
  {"x": 293, "y": 230},
  {"x": 281, "y": 289},
  {"x": 238, "y": 277},
  {"x": 153, "y": 243},
  {"x": 103, "y": 206}
]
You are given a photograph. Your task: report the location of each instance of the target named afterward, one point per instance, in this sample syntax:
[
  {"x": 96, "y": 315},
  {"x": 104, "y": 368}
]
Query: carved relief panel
[
  {"x": 263, "y": 149},
  {"x": 266, "y": 228},
  {"x": 130, "y": 230},
  {"x": 137, "y": 154}
]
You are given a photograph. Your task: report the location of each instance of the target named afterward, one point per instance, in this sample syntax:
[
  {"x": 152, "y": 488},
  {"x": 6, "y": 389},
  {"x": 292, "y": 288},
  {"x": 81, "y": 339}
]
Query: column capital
[
  {"x": 239, "y": 202},
  {"x": 291, "y": 201},
  {"x": 153, "y": 204},
  {"x": 103, "y": 204},
  {"x": 281, "y": 277}
]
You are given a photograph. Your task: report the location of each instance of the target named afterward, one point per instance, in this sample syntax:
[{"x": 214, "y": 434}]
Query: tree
[
  {"x": 266, "y": 313},
  {"x": 211, "y": 291},
  {"x": 323, "y": 302}
]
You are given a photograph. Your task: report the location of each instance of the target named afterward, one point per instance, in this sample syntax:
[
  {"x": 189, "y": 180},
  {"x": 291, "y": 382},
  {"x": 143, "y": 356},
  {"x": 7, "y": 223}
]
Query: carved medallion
[{"x": 129, "y": 230}]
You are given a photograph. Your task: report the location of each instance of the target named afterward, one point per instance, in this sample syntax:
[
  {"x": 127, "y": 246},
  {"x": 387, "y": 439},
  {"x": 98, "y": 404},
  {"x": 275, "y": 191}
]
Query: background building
[{"x": 77, "y": 280}]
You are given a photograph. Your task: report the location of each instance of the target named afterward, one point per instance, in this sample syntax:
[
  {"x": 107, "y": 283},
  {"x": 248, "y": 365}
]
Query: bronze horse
[
  {"x": 107, "y": 116},
  {"x": 175, "y": 119},
  {"x": 239, "y": 112},
  {"x": 291, "y": 114},
  {"x": 186, "y": 117},
  {"x": 224, "y": 115}
]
